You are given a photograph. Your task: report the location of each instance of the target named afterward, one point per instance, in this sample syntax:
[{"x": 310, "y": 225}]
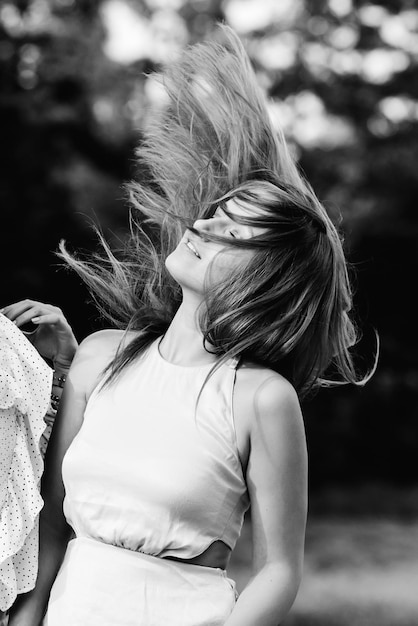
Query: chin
[{"x": 184, "y": 272}]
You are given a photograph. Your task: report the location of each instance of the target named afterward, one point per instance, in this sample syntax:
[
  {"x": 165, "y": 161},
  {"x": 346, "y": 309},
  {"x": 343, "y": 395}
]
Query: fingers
[
  {"x": 49, "y": 318},
  {"x": 23, "y": 313},
  {"x": 12, "y": 311},
  {"x": 46, "y": 328}
]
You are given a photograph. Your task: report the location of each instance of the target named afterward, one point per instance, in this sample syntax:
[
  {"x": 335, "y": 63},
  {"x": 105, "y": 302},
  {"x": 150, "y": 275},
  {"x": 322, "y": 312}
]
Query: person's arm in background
[
  {"x": 54, "y": 339},
  {"x": 51, "y": 333}
]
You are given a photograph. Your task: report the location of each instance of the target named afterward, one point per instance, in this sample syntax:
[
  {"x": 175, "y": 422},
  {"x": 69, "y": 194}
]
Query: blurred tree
[{"x": 343, "y": 83}]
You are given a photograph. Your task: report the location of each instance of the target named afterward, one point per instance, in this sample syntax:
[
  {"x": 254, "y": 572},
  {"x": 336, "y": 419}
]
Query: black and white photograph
[{"x": 208, "y": 334}]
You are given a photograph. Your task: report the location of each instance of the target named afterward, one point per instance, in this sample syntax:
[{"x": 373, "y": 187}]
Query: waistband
[{"x": 99, "y": 549}]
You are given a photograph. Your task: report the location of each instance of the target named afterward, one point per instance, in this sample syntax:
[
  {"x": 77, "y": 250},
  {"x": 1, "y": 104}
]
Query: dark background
[{"x": 343, "y": 82}]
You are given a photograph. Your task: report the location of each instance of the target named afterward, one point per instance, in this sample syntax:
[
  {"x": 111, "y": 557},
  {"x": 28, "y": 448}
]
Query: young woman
[
  {"x": 29, "y": 393},
  {"x": 231, "y": 306}
]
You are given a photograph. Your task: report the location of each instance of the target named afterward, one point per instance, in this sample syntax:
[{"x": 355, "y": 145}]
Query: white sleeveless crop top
[{"x": 149, "y": 471}]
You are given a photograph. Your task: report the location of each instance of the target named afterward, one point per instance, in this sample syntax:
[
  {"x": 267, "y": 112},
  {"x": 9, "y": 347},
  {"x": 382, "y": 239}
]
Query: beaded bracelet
[
  {"x": 59, "y": 381},
  {"x": 55, "y": 400}
]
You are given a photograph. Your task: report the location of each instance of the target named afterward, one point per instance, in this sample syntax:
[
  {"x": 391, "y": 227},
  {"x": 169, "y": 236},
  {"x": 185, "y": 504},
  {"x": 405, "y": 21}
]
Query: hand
[{"x": 52, "y": 335}]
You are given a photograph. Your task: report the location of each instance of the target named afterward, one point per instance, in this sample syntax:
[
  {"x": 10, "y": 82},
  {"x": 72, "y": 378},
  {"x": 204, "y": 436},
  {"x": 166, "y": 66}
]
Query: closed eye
[{"x": 220, "y": 213}]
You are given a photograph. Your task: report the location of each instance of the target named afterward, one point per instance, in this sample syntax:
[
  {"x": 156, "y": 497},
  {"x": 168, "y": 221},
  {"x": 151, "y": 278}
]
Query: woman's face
[{"x": 190, "y": 261}]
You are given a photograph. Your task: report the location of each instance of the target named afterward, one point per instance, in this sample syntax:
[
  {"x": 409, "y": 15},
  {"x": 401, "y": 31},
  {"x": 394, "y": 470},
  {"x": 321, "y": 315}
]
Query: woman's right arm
[{"x": 29, "y": 608}]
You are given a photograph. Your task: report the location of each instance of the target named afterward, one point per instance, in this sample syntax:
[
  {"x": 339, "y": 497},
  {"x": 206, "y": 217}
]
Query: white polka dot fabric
[{"x": 25, "y": 388}]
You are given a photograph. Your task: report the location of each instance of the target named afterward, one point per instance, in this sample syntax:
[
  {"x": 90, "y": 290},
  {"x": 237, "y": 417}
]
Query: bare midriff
[{"x": 217, "y": 555}]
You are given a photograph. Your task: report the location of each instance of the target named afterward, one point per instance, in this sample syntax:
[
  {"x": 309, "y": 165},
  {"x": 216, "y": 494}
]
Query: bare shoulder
[
  {"x": 266, "y": 400},
  {"x": 103, "y": 341},
  {"x": 266, "y": 389},
  {"x": 94, "y": 354},
  {"x": 266, "y": 409}
]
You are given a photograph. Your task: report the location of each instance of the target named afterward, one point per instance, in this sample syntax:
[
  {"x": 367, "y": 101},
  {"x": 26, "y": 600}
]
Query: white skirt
[{"x": 103, "y": 585}]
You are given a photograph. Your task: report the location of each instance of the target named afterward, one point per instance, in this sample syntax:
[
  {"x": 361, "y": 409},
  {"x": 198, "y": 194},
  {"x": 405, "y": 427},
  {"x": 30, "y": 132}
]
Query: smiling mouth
[{"x": 191, "y": 247}]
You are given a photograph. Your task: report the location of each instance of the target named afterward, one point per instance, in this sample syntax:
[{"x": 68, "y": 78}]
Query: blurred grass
[{"x": 361, "y": 561}]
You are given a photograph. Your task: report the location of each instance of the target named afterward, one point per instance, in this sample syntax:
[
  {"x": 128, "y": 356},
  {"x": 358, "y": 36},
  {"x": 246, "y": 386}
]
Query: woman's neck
[{"x": 182, "y": 344}]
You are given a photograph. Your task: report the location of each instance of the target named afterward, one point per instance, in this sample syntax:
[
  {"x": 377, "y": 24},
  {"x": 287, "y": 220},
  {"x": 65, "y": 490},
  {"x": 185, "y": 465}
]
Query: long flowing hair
[{"x": 288, "y": 307}]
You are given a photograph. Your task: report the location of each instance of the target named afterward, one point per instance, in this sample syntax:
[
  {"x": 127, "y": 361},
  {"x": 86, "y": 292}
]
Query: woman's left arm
[{"x": 277, "y": 483}]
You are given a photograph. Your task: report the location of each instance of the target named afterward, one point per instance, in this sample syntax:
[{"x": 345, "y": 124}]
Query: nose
[{"x": 205, "y": 225}]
